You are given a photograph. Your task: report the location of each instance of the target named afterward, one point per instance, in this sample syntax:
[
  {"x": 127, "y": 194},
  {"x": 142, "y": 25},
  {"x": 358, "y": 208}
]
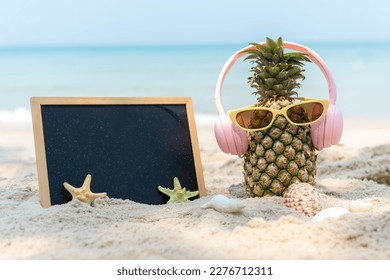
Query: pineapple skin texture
[
  {"x": 284, "y": 153},
  {"x": 278, "y": 157}
]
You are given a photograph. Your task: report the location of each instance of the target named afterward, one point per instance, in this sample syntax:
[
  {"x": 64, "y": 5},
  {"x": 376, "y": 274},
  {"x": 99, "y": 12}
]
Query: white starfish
[{"x": 84, "y": 193}]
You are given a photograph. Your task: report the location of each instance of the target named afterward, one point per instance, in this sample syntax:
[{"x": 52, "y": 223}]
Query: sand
[{"x": 357, "y": 170}]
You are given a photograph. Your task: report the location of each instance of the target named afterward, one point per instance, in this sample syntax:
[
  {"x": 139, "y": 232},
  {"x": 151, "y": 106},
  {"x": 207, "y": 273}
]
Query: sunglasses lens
[
  {"x": 304, "y": 113},
  {"x": 254, "y": 119}
]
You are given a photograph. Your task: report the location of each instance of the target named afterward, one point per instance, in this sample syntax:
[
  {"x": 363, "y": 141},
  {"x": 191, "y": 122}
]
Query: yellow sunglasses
[{"x": 255, "y": 118}]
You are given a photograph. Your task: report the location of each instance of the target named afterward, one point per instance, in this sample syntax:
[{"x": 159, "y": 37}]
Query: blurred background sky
[
  {"x": 113, "y": 22},
  {"x": 98, "y": 48}
]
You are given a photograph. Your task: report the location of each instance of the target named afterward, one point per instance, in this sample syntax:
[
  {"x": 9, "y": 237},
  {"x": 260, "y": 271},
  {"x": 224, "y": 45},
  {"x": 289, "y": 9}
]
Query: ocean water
[{"x": 361, "y": 72}]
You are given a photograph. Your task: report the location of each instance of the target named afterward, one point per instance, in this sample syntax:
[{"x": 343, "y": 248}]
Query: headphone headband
[{"x": 312, "y": 55}]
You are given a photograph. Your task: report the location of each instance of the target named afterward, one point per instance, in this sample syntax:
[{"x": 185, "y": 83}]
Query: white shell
[
  {"x": 332, "y": 212},
  {"x": 221, "y": 203},
  {"x": 303, "y": 198}
]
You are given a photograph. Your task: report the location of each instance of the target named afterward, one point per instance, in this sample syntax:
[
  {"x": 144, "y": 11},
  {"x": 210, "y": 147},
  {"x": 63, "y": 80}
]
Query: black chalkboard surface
[{"x": 130, "y": 146}]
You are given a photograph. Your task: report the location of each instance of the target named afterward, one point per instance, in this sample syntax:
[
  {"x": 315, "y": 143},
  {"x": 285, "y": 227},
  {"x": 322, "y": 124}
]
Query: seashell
[
  {"x": 303, "y": 198},
  {"x": 222, "y": 203},
  {"x": 332, "y": 212}
]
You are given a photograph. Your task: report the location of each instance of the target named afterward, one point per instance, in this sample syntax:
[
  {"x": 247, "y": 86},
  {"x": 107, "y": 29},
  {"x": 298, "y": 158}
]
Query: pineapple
[{"x": 284, "y": 153}]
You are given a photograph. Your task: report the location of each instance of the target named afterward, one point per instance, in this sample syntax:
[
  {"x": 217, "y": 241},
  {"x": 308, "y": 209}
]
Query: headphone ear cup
[
  {"x": 317, "y": 132},
  {"x": 337, "y": 126},
  {"x": 241, "y": 138},
  {"x": 328, "y": 131},
  {"x": 220, "y": 135},
  {"x": 230, "y": 139}
]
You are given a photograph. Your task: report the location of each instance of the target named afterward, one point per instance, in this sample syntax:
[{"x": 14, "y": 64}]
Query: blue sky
[{"x": 112, "y": 22}]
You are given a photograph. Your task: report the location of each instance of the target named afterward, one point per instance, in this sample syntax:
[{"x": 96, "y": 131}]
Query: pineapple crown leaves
[{"x": 275, "y": 73}]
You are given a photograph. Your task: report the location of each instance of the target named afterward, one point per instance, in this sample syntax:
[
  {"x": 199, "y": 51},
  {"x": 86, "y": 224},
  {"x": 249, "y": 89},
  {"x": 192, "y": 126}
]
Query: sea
[{"x": 361, "y": 72}]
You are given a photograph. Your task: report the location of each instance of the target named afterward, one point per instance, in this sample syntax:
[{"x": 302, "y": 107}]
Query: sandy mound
[{"x": 266, "y": 229}]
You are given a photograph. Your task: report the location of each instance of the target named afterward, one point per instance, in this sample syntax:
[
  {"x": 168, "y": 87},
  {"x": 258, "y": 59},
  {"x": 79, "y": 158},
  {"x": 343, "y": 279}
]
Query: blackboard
[{"x": 130, "y": 146}]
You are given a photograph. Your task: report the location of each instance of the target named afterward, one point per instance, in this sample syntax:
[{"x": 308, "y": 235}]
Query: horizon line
[{"x": 172, "y": 44}]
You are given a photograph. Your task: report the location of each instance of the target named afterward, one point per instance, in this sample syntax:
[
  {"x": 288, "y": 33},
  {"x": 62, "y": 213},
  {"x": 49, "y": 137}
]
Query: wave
[
  {"x": 22, "y": 116},
  {"x": 205, "y": 119},
  {"x": 18, "y": 116}
]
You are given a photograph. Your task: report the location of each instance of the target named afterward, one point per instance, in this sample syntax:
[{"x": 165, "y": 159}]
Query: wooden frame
[{"x": 38, "y": 104}]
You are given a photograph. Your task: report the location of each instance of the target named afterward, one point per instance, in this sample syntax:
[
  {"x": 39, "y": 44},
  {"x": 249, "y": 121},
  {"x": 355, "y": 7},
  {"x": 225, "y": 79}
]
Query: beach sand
[{"x": 356, "y": 170}]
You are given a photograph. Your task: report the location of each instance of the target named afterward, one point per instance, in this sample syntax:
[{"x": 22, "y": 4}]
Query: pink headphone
[{"x": 325, "y": 133}]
